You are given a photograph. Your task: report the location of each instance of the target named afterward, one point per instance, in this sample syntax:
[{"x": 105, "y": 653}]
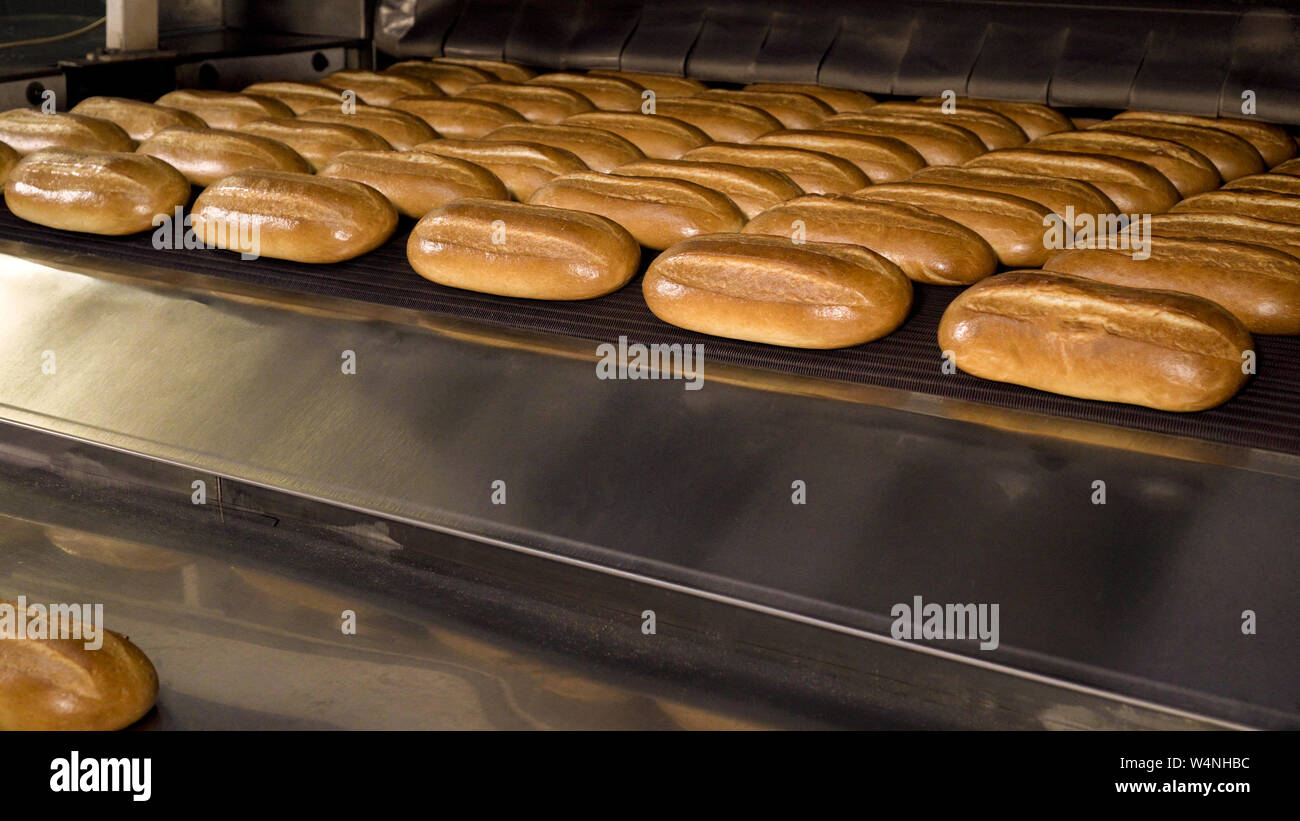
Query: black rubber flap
[{"x": 1265, "y": 414}]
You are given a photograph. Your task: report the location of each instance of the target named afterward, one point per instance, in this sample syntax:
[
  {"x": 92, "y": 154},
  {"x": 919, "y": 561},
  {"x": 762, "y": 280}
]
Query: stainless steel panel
[
  {"x": 344, "y": 18},
  {"x": 234, "y": 73}
]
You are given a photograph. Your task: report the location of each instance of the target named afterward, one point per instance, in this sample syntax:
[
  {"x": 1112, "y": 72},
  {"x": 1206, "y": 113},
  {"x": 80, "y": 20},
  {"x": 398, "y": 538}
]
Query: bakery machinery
[{"x": 431, "y": 507}]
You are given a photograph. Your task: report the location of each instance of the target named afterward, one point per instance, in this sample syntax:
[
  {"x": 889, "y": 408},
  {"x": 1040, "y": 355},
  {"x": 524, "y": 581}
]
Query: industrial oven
[{"x": 523, "y": 544}]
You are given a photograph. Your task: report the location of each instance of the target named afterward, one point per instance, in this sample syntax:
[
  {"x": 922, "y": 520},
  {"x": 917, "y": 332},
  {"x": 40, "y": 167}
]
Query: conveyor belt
[{"x": 1265, "y": 415}]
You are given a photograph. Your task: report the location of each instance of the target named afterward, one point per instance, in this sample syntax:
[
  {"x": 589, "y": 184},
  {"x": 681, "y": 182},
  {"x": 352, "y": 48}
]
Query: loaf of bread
[
  {"x": 95, "y": 192},
  {"x": 939, "y": 143},
  {"x": 529, "y": 251},
  {"x": 300, "y": 97},
  {"x": 507, "y": 72},
  {"x": 663, "y": 85},
  {"x": 140, "y": 120},
  {"x": 401, "y": 130},
  {"x": 813, "y": 171},
  {"x": 882, "y": 159},
  {"x": 723, "y": 121},
  {"x": 523, "y": 167},
  {"x": 1093, "y": 340},
  {"x": 1034, "y": 119},
  {"x": 605, "y": 93},
  {"x": 840, "y": 100},
  {"x": 993, "y": 129},
  {"x": 792, "y": 109},
  {"x": 26, "y": 130},
  {"x": 1059, "y": 194},
  {"x": 657, "y": 212},
  {"x": 751, "y": 189},
  {"x": 458, "y": 119},
  {"x": 656, "y": 136},
  {"x": 1134, "y": 187},
  {"x": 600, "y": 150},
  {"x": 925, "y": 246},
  {"x": 59, "y": 684},
  {"x": 772, "y": 290},
  {"x": 1276, "y": 183},
  {"x": 1290, "y": 168},
  {"x": 1013, "y": 226},
  {"x": 8, "y": 159},
  {"x": 1272, "y": 141},
  {"x": 298, "y": 217},
  {"x": 376, "y": 88},
  {"x": 1259, "y": 286},
  {"x": 1189, "y": 171},
  {"x": 537, "y": 103},
  {"x": 1264, "y": 205},
  {"x": 416, "y": 182},
  {"x": 318, "y": 143},
  {"x": 1231, "y": 155},
  {"x": 451, "y": 79},
  {"x": 224, "y": 109},
  {"x": 205, "y": 155},
  {"x": 1230, "y": 227}
]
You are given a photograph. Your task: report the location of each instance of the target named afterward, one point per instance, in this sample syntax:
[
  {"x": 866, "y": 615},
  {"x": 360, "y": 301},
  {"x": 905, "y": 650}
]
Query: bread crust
[
  {"x": 205, "y": 155},
  {"x": 416, "y": 182},
  {"x": 26, "y": 130}
]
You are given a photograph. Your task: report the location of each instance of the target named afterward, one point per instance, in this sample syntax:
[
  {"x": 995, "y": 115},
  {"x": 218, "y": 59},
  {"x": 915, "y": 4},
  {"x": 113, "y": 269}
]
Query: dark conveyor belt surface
[{"x": 1265, "y": 415}]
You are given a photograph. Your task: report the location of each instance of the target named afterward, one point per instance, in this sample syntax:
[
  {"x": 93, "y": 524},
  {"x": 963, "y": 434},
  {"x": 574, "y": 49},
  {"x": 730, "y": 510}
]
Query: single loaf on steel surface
[
  {"x": 1034, "y": 119},
  {"x": 751, "y": 189},
  {"x": 1258, "y": 285},
  {"x": 925, "y": 246},
  {"x": 205, "y": 155},
  {"x": 660, "y": 137},
  {"x": 993, "y": 129},
  {"x": 1134, "y": 187},
  {"x": 605, "y": 93},
  {"x": 656, "y": 211},
  {"x": 456, "y": 118},
  {"x": 813, "y": 171},
  {"x": 792, "y": 109},
  {"x": 416, "y": 182},
  {"x": 26, "y": 130},
  {"x": 1057, "y": 193},
  {"x": 1093, "y": 340},
  {"x": 1189, "y": 170},
  {"x": 663, "y": 85},
  {"x": 529, "y": 251},
  {"x": 318, "y": 143},
  {"x": 375, "y": 88},
  {"x": 140, "y": 120},
  {"x": 523, "y": 167},
  {"x": 536, "y": 103},
  {"x": 1263, "y": 205},
  {"x": 840, "y": 100},
  {"x": 224, "y": 109},
  {"x": 401, "y": 130},
  {"x": 1271, "y": 141},
  {"x": 448, "y": 77},
  {"x": 772, "y": 290},
  {"x": 940, "y": 143},
  {"x": 1277, "y": 183},
  {"x": 1012, "y": 225},
  {"x": 724, "y": 121},
  {"x": 299, "y": 217},
  {"x": 1231, "y": 155},
  {"x": 95, "y": 192},
  {"x": 300, "y": 97},
  {"x": 600, "y": 150},
  {"x": 509, "y": 72},
  {"x": 1231, "y": 227},
  {"x": 60, "y": 684},
  {"x": 883, "y": 159}
]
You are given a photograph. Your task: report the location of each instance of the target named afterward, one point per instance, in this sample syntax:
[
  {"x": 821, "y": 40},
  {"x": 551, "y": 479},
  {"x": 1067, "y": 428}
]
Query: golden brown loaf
[
  {"x": 1290, "y": 168},
  {"x": 316, "y": 142},
  {"x": 375, "y": 88},
  {"x": 663, "y": 85},
  {"x": 605, "y": 93},
  {"x": 224, "y": 109},
  {"x": 1034, "y": 119},
  {"x": 657, "y": 136},
  {"x": 840, "y": 100},
  {"x": 993, "y": 129},
  {"x": 448, "y": 77},
  {"x": 205, "y": 155},
  {"x": 1093, "y": 340},
  {"x": 1057, "y": 193},
  {"x": 1271, "y": 141},
  {"x": 600, "y": 150},
  {"x": 1230, "y": 227},
  {"x": 1134, "y": 187},
  {"x": 1263, "y": 205},
  {"x": 813, "y": 171},
  {"x": 1231, "y": 155},
  {"x": 769, "y": 289},
  {"x": 95, "y": 192},
  {"x": 299, "y": 217},
  {"x": 300, "y": 97},
  {"x": 925, "y": 246},
  {"x": 26, "y": 130},
  {"x": 509, "y": 72},
  {"x": 416, "y": 182},
  {"x": 793, "y": 110},
  {"x": 751, "y": 189},
  {"x": 58, "y": 684},
  {"x": 1013, "y": 226},
  {"x": 1189, "y": 171},
  {"x": 1259, "y": 286},
  {"x": 883, "y": 159},
  {"x": 517, "y": 250},
  {"x": 403, "y": 131},
  {"x": 656, "y": 211},
  {"x": 8, "y": 159},
  {"x": 540, "y": 104},
  {"x": 523, "y": 167},
  {"x": 723, "y": 121},
  {"x": 938, "y": 143},
  {"x": 458, "y": 119},
  {"x": 1277, "y": 183},
  {"x": 140, "y": 120}
]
